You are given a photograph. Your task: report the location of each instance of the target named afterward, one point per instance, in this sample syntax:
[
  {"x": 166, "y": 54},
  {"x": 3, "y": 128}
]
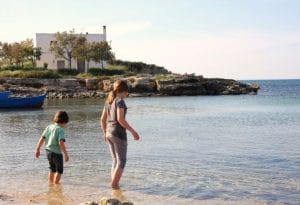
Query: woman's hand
[
  {"x": 135, "y": 135},
  {"x": 104, "y": 136}
]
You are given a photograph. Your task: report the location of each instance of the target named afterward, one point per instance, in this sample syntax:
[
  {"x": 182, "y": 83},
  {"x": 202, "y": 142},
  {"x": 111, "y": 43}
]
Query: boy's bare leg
[
  {"x": 57, "y": 178},
  {"x": 51, "y": 177}
]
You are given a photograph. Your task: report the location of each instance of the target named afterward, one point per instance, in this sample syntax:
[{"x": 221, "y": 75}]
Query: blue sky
[{"x": 243, "y": 39}]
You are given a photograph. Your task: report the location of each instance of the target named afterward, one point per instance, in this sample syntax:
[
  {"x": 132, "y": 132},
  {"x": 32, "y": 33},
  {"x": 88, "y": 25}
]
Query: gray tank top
[{"x": 113, "y": 126}]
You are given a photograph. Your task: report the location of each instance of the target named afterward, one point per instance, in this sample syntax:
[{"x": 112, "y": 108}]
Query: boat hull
[{"x": 22, "y": 102}]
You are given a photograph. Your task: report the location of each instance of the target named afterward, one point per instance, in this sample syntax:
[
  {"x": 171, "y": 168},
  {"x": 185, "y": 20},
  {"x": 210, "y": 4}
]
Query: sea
[{"x": 237, "y": 149}]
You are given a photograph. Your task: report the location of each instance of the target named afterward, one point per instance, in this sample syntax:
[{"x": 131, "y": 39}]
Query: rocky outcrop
[
  {"x": 141, "y": 85},
  {"x": 190, "y": 86}
]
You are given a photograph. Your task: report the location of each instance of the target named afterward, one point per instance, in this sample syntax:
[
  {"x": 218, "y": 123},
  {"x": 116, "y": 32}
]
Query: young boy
[{"x": 54, "y": 139}]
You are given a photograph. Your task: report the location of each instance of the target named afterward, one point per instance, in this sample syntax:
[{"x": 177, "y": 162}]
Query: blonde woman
[{"x": 114, "y": 126}]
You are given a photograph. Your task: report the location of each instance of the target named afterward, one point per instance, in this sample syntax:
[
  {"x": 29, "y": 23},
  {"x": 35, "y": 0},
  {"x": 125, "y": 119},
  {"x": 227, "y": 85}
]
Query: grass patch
[
  {"x": 84, "y": 75},
  {"x": 164, "y": 77},
  {"x": 117, "y": 67}
]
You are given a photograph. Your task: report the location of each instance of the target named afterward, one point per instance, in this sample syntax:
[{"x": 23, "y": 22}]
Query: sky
[{"x": 241, "y": 39}]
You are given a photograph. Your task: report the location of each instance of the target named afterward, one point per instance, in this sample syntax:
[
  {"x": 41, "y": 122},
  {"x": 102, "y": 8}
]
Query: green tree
[
  {"x": 24, "y": 51},
  {"x": 6, "y": 50},
  {"x": 101, "y": 51},
  {"x": 64, "y": 45},
  {"x": 33, "y": 54},
  {"x": 1, "y": 55},
  {"x": 19, "y": 52},
  {"x": 83, "y": 51}
]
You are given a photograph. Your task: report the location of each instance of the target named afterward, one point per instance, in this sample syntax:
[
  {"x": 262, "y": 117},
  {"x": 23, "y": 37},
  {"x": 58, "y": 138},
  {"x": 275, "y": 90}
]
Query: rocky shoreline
[{"x": 140, "y": 86}]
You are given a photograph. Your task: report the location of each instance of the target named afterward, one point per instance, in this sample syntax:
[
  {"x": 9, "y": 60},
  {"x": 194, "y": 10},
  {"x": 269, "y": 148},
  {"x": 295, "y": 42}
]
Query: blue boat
[{"x": 7, "y": 101}]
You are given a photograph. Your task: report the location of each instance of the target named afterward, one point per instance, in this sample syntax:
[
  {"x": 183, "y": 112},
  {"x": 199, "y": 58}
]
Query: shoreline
[
  {"x": 140, "y": 86},
  {"x": 60, "y": 195}
]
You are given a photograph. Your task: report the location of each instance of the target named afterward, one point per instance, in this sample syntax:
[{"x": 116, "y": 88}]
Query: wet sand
[{"x": 56, "y": 195}]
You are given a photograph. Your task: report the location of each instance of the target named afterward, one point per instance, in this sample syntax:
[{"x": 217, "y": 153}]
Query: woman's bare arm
[
  {"x": 125, "y": 124},
  {"x": 103, "y": 122}
]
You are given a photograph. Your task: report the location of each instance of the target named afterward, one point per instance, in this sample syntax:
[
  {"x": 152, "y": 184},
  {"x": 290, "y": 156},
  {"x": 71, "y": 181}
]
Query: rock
[
  {"x": 68, "y": 83},
  {"x": 107, "y": 85},
  {"x": 226, "y": 92},
  {"x": 127, "y": 203},
  {"x": 112, "y": 201},
  {"x": 4, "y": 197},
  {"x": 105, "y": 201},
  {"x": 182, "y": 86},
  {"x": 141, "y": 94},
  {"x": 89, "y": 203},
  {"x": 135, "y": 84},
  {"x": 214, "y": 87},
  {"x": 91, "y": 84},
  {"x": 141, "y": 84}
]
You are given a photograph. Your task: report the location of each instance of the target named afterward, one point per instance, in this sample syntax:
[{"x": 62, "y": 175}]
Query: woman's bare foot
[{"x": 115, "y": 187}]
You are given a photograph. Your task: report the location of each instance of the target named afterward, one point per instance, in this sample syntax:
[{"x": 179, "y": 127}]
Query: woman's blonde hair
[{"x": 119, "y": 86}]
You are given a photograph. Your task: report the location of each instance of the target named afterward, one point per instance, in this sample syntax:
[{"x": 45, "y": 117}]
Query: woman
[{"x": 114, "y": 126}]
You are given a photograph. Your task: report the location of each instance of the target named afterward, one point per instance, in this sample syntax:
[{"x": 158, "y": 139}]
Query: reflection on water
[
  {"x": 54, "y": 196},
  {"x": 118, "y": 194}
]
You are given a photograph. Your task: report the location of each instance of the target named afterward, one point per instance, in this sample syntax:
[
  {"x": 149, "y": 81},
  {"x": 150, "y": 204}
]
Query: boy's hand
[
  {"x": 37, "y": 153},
  {"x": 66, "y": 157},
  {"x": 135, "y": 135}
]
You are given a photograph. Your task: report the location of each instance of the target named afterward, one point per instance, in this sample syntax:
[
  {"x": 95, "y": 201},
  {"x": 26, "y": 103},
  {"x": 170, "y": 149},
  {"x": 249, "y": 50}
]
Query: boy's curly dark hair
[{"x": 61, "y": 117}]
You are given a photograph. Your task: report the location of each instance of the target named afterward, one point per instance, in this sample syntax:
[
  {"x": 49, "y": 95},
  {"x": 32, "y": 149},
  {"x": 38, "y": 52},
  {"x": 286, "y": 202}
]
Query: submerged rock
[
  {"x": 5, "y": 197},
  {"x": 105, "y": 201},
  {"x": 89, "y": 203}
]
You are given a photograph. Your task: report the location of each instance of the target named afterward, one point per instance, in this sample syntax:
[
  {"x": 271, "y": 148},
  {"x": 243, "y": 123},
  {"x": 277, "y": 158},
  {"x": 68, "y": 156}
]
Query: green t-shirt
[{"x": 53, "y": 134}]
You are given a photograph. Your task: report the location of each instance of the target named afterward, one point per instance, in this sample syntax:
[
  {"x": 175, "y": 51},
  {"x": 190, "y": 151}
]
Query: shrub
[
  {"x": 105, "y": 72},
  {"x": 28, "y": 74},
  {"x": 67, "y": 72},
  {"x": 140, "y": 67},
  {"x": 20, "y": 68},
  {"x": 12, "y": 67}
]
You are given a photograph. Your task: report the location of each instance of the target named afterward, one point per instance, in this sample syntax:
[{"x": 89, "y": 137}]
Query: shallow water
[{"x": 194, "y": 150}]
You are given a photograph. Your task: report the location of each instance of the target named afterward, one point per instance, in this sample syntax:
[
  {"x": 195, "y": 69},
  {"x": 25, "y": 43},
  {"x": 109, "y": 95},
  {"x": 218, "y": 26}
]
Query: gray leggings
[{"x": 118, "y": 149}]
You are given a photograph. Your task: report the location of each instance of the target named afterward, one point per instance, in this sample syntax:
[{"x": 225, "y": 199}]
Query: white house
[{"x": 43, "y": 40}]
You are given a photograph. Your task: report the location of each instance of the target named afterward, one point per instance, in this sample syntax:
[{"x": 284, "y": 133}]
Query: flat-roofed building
[{"x": 44, "y": 40}]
